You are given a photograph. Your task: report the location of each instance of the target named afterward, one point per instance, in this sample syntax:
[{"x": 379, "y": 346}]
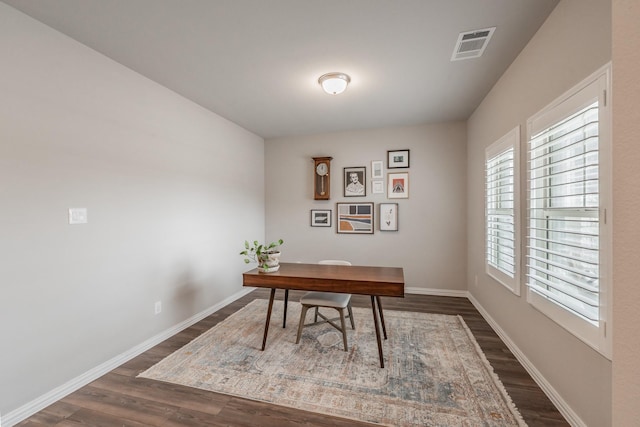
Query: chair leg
[
  {"x": 315, "y": 318},
  {"x": 353, "y": 325},
  {"x": 303, "y": 315},
  {"x": 344, "y": 329}
]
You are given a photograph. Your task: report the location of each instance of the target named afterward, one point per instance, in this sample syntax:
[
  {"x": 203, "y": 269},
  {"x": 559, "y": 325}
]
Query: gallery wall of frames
[{"x": 361, "y": 216}]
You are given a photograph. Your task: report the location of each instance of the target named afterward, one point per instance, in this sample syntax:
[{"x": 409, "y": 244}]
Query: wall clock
[{"x": 321, "y": 178}]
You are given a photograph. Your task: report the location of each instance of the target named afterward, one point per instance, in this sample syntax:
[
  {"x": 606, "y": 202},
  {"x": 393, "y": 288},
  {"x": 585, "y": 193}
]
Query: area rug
[{"x": 435, "y": 373}]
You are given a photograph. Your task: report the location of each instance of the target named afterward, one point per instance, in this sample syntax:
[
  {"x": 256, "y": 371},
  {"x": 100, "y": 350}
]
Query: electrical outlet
[{"x": 158, "y": 307}]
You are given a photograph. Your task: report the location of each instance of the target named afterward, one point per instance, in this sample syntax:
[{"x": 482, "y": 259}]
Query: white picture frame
[
  {"x": 377, "y": 187},
  {"x": 377, "y": 169}
]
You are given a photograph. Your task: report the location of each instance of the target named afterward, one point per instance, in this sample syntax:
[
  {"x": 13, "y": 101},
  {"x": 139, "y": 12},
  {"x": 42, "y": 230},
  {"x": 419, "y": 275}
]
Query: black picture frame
[
  {"x": 397, "y": 159},
  {"x": 355, "y": 218},
  {"x": 388, "y": 217},
  {"x": 358, "y": 187},
  {"x": 321, "y": 217}
]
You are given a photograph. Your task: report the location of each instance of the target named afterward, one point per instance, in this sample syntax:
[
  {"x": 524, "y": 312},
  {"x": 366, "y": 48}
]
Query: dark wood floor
[{"x": 120, "y": 399}]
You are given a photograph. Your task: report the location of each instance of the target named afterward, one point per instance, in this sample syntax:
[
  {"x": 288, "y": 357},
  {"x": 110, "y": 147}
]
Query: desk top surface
[{"x": 366, "y": 280}]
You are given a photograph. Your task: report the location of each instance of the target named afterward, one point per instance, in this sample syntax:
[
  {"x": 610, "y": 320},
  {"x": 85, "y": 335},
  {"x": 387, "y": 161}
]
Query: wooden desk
[{"x": 372, "y": 281}]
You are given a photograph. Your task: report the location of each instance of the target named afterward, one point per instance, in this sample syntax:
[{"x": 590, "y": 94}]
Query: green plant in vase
[{"x": 266, "y": 255}]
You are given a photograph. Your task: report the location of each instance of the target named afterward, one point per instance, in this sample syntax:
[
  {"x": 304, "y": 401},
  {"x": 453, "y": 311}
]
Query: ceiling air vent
[{"x": 472, "y": 44}]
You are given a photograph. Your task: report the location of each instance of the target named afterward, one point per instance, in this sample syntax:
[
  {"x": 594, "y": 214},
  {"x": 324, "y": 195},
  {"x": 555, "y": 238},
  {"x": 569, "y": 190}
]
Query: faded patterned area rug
[{"x": 435, "y": 373}]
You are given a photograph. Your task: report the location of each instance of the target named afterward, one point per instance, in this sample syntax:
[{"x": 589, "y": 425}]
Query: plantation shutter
[
  {"x": 500, "y": 227},
  {"x": 563, "y": 215}
]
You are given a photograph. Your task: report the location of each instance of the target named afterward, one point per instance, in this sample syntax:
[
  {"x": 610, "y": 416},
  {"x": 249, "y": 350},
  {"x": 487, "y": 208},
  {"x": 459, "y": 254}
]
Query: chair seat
[{"x": 326, "y": 299}]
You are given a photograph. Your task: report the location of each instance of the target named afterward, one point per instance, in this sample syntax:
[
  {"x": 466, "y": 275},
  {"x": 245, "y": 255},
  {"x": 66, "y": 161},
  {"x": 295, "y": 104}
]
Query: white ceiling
[{"x": 256, "y": 62}]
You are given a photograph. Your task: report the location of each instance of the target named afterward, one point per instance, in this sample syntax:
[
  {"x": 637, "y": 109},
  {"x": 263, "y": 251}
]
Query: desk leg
[
  {"x": 284, "y": 317},
  {"x": 266, "y": 325},
  {"x": 384, "y": 328},
  {"x": 375, "y": 321}
]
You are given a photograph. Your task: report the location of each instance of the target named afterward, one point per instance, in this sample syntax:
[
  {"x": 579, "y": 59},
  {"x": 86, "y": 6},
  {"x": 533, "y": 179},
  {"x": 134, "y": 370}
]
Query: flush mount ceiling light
[{"x": 334, "y": 83}]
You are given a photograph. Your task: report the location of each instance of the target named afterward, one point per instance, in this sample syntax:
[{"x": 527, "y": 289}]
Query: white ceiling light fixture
[{"x": 334, "y": 83}]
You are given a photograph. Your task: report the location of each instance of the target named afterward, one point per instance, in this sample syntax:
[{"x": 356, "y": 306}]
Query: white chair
[{"x": 337, "y": 301}]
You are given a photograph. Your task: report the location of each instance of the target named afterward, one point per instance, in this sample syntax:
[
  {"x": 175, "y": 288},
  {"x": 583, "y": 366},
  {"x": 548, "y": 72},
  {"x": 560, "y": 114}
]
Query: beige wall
[
  {"x": 161, "y": 179},
  {"x": 573, "y": 43},
  {"x": 431, "y": 240},
  {"x": 626, "y": 198},
  {"x": 156, "y": 173}
]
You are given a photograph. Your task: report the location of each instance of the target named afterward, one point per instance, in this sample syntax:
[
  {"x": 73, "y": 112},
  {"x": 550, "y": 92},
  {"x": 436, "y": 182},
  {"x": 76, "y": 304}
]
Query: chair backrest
[{"x": 334, "y": 262}]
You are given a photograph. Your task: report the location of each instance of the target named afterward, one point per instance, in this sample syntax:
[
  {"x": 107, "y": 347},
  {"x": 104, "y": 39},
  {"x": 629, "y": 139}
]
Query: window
[
  {"x": 501, "y": 202},
  {"x": 567, "y": 234}
]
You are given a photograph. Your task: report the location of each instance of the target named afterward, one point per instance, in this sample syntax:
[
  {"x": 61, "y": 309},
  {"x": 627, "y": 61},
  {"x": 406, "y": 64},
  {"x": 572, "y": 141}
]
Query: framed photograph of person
[
  {"x": 355, "y": 218},
  {"x": 377, "y": 169},
  {"x": 321, "y": 217},
  {"x": 397, "y": 159},
  {"x": 355, "y": 182},
  {"x": 398, "y": 185},
  {"x": 388, "y": 217}
]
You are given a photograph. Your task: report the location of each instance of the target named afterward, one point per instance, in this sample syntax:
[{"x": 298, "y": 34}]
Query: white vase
[
  {"x": 268, "y": 269},
  {"x": 271, "y": 264}
]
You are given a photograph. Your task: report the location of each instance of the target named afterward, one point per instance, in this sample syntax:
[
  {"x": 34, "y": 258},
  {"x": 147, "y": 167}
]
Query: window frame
[
  {"x": 596, "y": 87},
  {"x": 510, "y": 141}
]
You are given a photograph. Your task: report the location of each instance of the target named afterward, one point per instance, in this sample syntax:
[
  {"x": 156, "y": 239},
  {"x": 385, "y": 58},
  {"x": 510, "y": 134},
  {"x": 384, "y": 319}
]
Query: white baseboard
[
  {"x": 566, "y": 411},
  {"x": 12, "y": 418},
  {"x": 436, "y": 292}
]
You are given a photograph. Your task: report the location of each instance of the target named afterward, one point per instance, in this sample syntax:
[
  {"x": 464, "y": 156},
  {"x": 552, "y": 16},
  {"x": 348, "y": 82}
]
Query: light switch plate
[{"x": 77, "y": 215}]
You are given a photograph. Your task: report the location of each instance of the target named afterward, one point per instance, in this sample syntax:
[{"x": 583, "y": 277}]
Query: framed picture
[
  {"x": 377, "y": 187},
  {"x": 376, "y": 169},
  {"x": 321, "y": 217},
  {"x": 355, "y": 218},
  {"x": 397, "y": 159},
  {"x": 355, "y": 182},
  {"x": 388, "y": 217},
  {"x": 398, "y": 185}
]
